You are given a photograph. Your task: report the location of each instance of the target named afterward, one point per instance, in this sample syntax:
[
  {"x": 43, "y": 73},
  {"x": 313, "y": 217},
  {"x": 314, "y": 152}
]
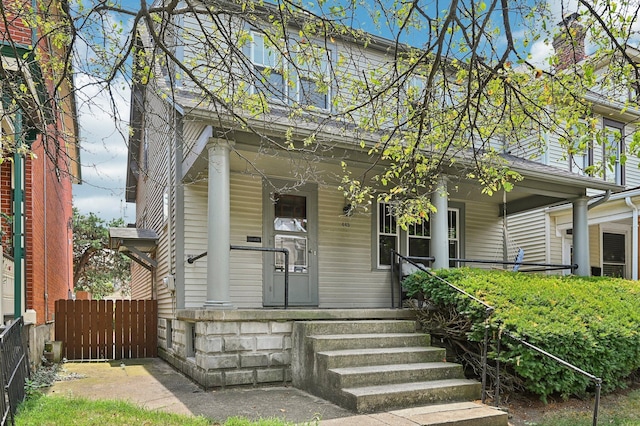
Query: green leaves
[{"x": 589, "y": 322}]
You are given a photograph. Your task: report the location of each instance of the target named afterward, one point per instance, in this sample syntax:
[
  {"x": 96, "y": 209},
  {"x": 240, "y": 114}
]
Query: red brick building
[{"x": 44, "y": 119}]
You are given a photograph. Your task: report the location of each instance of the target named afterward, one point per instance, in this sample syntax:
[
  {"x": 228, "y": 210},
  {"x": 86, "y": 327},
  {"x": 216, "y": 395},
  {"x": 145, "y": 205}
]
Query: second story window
[
  {"x": 269, "y": 77},
  {"x": 613, "y": 151},
  {"x": 314, "y": 88}
]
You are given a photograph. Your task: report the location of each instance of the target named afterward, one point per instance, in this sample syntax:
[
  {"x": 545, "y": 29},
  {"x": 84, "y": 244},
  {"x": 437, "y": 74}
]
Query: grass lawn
[
  {"x": 618, "y": 409},
  {"x": 41, "y": 410}
]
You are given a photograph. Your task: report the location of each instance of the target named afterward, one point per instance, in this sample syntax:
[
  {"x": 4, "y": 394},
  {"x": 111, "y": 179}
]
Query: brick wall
[
  {"x": 49, "y": 251},
  {"x": 18, "y": 32}
]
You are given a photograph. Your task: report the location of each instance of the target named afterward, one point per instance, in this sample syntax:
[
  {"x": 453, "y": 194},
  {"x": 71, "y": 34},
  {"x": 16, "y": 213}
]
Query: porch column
[
  {"x": 218, "y": 223},
  {"x": 440, "y": 225},
  {"x": 581, "y": 237}
]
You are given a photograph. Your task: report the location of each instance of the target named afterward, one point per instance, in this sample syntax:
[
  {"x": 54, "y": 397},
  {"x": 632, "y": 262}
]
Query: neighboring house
[
  {"x": 203, "y": 183},
  {"x": 36, "y": 188},
  {"x": 546, "y": 235}
]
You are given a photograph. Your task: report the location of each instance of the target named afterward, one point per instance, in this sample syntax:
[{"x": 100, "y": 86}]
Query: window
[
  {"x": 417, "y": 239},
  {"x": 269, "y": 78},
  {"x": 387, "y": 235},
  {"x": 420, "y": 237},
  {"x": 613, "y": 151},
  {"x": 314, "y": 88},
  {"x": 290, "y": 224}
]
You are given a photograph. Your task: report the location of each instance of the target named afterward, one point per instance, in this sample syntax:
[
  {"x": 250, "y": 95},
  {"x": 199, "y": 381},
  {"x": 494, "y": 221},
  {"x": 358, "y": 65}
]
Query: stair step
[
  {"x": 322, "y": 343},
  {"x": 380, "y": 356},
  {"x": 368, "y": 399},
  {"x": 359, "y": 327},
  {"x": 458, "y": 414},
  {"x": 374, "y": 375}
]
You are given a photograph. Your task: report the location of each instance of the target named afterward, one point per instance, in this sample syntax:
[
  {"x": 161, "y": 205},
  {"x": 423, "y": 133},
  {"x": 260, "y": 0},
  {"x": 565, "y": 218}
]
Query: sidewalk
[{"x": 153, "y": 384}]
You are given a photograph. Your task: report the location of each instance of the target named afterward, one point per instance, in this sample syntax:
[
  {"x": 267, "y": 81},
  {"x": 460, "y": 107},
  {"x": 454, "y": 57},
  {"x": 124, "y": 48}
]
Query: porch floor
[{"x": 297, "y": 314}]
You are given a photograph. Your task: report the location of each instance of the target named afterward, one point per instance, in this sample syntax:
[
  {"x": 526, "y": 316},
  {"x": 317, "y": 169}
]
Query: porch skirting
[{"x": 218, "y": 348}]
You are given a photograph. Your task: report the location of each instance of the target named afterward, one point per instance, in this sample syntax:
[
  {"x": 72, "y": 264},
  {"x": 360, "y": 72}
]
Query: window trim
[{"x": 328, "y": 56}]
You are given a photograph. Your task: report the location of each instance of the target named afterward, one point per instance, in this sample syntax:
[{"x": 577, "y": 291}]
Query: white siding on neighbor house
[
  {"x": 594, "y": 245},
  {"x": 632, "y": 166},
  {"x": 483, "y": 233},
  {"x": 344, "y": 256}
]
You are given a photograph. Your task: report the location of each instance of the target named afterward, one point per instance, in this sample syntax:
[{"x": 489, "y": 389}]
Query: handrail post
[
  {"x": 498, "y": 349},
  {"x": 286, "y": 278},
  {"x": 393, "y": 261},
  {"x": 485, "y": 351},
  {"x": 597, "y": 402}
]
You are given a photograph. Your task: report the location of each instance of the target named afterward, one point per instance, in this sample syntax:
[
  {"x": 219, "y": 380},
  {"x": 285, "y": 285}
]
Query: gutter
[{"x": 634, "y": 238}]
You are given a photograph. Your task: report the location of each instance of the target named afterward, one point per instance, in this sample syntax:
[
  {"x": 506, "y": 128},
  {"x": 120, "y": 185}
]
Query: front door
[{"x": 290, "y": 222}]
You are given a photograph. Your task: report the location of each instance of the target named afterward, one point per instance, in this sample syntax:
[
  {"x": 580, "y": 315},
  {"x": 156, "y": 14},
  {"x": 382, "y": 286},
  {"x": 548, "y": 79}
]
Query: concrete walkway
[{"x": 154, "y": 384}]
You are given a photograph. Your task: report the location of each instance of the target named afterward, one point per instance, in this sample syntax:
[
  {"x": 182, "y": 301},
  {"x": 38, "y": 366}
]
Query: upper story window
[
  {"x": 613, "y": 152},
  {"x": 314, "y": 88},
  {"x": 269, "y": 78}
]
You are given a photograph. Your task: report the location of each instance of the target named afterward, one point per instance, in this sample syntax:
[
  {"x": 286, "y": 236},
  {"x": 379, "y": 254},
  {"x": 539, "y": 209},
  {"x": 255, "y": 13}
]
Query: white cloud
[{"x": 102, "y": 118}]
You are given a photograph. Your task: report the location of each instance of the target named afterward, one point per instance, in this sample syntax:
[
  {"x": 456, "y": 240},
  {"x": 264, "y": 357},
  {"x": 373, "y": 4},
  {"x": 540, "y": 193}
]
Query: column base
[{"x": 216, "y": 304}]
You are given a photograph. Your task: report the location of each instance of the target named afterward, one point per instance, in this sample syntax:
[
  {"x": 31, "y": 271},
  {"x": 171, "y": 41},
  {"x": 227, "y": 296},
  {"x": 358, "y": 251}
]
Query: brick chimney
[{"x": 569, "y": 43}]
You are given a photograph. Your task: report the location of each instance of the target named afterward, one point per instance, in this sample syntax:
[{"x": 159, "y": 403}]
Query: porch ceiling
[{"x": 542, "y": 185}]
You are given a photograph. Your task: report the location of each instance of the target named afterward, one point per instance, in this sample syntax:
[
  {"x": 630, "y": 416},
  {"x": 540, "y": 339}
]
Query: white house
[{"x": 209, "y": 182}]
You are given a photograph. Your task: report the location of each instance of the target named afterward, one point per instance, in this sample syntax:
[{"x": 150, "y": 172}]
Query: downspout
[
  {"x": 604, "y": 199},
  {"x": 18, "y": 200},
  {"x": 634, "y": 238}
]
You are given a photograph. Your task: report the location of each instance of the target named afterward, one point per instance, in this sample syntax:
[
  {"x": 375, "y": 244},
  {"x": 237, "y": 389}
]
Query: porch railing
[
  {"x": 192, "y": 259},
  {"x": 15, "y": 369},
  {"x": 488, "y": 311}
]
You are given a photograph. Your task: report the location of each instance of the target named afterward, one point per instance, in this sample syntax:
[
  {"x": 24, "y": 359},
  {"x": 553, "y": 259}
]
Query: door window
[{"x": 290, "y": 226}]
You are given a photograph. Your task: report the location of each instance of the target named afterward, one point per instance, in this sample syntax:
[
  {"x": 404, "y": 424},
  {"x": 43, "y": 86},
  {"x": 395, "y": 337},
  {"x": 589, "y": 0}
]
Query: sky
[{"x": 103, "y": 155}]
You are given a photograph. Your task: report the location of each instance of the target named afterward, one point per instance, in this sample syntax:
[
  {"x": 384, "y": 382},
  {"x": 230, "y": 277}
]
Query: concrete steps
[{"x": 374, "y": 366}]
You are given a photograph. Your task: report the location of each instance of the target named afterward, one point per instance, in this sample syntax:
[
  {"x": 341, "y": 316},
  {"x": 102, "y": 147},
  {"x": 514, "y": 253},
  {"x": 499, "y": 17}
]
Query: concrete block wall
[{"x": 229, "y": 353}]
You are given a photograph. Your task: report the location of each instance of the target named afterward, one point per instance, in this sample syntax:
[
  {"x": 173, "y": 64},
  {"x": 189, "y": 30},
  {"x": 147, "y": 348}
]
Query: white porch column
[
  {"x": 219, "y": 222},
  {"x": 440, "y": 225},
  {"x": 581, "y": 237}
]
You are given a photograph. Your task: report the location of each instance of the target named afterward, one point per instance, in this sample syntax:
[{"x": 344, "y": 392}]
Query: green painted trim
[{"x": 18, "y": 197}]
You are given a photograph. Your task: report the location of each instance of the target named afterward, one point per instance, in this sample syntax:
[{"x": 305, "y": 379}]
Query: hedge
[{"x": 593, "y": 323}]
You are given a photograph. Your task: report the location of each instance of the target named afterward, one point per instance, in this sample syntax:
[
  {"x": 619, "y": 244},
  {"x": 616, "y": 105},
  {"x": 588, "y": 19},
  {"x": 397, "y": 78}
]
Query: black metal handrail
[
  {"x": 544, "y": 266},
  {"x": 14, "y": 369},
  {"x": 192, "y": 259},
  {"x": 489, "y": 310},
  {"x": 597, "y": 380}
]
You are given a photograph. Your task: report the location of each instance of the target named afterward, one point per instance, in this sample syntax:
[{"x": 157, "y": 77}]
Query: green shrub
[{"x": 592, "y": 323}]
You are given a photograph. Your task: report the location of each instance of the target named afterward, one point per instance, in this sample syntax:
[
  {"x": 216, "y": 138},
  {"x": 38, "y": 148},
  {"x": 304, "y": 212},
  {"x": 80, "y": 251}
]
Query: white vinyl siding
[
  {"x": 195, "y": 239},
  {"x": 344, "y": 257},
  {"x": 246, "y": 220},
  {"x": 529, "y": 231},
  {"x": 482, "y": 233}
]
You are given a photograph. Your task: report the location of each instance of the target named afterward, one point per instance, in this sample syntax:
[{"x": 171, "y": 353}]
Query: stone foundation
[{"x": 219, "y": 348}]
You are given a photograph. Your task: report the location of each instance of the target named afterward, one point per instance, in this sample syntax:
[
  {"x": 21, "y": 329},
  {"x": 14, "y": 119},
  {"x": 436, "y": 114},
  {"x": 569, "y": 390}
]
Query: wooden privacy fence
[{"x": 102, "y": 329}]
